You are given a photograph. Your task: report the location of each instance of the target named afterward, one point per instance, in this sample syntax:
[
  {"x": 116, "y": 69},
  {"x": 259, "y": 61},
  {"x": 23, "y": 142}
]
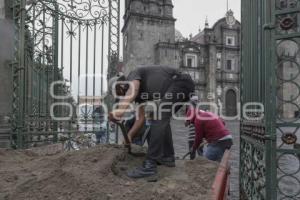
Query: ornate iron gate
[
  {"x": 270, "y": 153},
  {"x": 61, "y": 51}
]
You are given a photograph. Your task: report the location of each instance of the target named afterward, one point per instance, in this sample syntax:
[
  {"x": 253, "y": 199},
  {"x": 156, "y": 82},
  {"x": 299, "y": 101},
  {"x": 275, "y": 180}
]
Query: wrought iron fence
[
  {"x": 61, "y": 51},
  {"x": 270, "y": 154}
]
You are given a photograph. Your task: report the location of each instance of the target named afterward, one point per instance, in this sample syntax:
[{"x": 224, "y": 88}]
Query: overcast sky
[{"x": 191, "y": 14}]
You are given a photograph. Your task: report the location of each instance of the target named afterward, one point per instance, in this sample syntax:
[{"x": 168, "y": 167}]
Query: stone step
[
  {"x": 5, "y": 135},
  {"x": 4, "y": 131},
  {"x": 5, "y": 126},
  {"x": 4, "y": 144}
]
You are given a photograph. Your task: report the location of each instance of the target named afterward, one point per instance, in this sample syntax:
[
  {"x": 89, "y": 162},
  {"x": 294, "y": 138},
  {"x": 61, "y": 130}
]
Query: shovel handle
[
  {"x": 186, "y": 155},
  {"x": 189, "y": 153},
  {"x": 124, "y": 132}
]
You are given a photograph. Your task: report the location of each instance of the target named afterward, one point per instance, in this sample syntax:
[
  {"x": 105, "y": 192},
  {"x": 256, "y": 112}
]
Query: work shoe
[
  {"x": 149, "y": 168},
  {"x": 167, "y": 161}
]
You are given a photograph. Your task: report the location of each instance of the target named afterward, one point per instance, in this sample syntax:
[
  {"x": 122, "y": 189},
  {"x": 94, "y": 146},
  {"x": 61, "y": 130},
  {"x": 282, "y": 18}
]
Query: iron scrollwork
[
  {"x": 286, "y": 4},
  {"x": 289, "y": 138},
  {"x": 78, "y": 9},
  {"x": 254, "y": 130},
  {"x": 253, "y": 171},
  {"x": 287, "y": 23},
  {"x": 287, "y": 20},
  {"x": 288, "y": 99},
  {"x": 52, "y": 29}
]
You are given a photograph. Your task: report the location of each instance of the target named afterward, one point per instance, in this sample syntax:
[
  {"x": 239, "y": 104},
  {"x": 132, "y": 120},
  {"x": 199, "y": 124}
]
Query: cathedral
[{"x": 212, "y": 57}]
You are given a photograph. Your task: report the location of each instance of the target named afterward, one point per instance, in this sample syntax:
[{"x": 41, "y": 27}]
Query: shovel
[
  {"x": 124, "y": 131},
  {"x": 189, "y": 153}
]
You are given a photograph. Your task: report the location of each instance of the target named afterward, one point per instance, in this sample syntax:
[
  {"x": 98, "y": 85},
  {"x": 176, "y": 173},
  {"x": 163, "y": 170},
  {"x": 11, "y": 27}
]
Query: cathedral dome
[{"x": 178, "y": 35}]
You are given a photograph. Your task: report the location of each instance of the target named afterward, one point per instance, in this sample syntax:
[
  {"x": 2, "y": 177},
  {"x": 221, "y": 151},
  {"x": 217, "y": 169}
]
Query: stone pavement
[
  {"x": 234, "y": 127},
  {"x": 181, "y": 147}
]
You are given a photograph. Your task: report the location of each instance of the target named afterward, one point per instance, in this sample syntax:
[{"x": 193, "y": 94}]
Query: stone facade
[{"x": 212, "y": 57}]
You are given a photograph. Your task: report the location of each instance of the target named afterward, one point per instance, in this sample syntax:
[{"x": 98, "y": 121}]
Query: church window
[
  {"x": 197, "y": 77},
  {"x": 125, "y": 40},
  {"x": 230, "y": 65},
  {"x": 230, "y": 41},
  {"x": 141, "y": 35},
  {"x": 191, "y": 60},
  {"x": 219, "y": 56}
]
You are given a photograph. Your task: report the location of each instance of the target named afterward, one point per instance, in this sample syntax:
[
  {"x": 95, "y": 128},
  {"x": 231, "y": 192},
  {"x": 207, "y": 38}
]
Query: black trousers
[{"x": 160, "y": 138}]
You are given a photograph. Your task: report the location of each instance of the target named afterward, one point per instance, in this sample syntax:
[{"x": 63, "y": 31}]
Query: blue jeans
[
  {"x": 100, "y": 137},
  {"x": 215, "y": 151}
]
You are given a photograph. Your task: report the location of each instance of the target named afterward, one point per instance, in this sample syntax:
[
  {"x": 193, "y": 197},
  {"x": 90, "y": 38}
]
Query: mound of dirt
[{"x": 98, "y": 174}]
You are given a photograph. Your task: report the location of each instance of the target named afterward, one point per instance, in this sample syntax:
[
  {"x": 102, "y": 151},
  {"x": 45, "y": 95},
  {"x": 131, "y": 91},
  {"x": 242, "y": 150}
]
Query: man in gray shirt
[{"x": 150, "y": 83}]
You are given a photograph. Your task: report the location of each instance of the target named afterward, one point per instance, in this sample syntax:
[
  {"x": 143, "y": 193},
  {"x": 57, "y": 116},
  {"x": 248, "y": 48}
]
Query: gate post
[
  {"x": 55, "y": 68},
  {"x": 6, "y": 58},
  {"x": 114, "y": 37},
  {"x": 114, "y": 44},
  {"x": 258, "y": 143},
  {"x": 270, "y": 160},
  {"x": 18, "y": 70},
  {"x": 270, "y": 105}
]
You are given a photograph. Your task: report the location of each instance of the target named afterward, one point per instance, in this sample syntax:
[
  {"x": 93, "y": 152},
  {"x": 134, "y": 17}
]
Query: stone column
[{"x": 211, "y": 75}]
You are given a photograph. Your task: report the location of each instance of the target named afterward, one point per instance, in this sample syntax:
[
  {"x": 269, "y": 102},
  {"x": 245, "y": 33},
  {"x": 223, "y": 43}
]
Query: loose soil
[{"x": 98, "y": 174}]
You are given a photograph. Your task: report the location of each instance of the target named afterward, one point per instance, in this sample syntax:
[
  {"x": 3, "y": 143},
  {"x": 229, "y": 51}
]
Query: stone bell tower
[{"x": 146, "y": 23}]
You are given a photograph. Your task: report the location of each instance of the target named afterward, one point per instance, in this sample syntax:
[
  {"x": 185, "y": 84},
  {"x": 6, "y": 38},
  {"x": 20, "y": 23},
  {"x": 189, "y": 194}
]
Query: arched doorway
[{"x": 231, "y": 107}]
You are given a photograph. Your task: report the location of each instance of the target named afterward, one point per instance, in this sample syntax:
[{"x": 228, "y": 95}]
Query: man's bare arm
[{"x": 139, "y": 122}]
